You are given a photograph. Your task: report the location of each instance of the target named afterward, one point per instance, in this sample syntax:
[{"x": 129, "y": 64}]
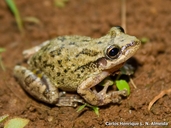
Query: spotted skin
[{"x": 76, "y": 64}]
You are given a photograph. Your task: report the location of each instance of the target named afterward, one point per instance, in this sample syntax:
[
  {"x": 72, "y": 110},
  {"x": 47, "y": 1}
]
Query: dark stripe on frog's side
[
  {"x": 86, "y": 40},
  {"x": 56, "y": 52},
  {"x": 72, "y": 43},
  {"x": 91, "y": 65},
  {"x": 99, "y": 42},
  {"x": 61, "y": 38},
  {"x": 46, "y": 48},
  {"x": 76, "y": 43},
  {"x": 88, "y": 52}
]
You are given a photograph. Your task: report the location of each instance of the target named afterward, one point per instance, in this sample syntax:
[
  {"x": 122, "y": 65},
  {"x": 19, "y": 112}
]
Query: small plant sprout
[
  {"x": 95, "y": 108},
  {"x": 16, "y": 123},
  {"x": 1, "y": 64},
  {"x": 60, "y": 3},
  {"x": 16, "y": 13},
  {"x": 2, "y": 118},
  {"x": 31, "y": 19},
  {"x": 144, "y": 40},
  {"x": 123, "y": 85}
]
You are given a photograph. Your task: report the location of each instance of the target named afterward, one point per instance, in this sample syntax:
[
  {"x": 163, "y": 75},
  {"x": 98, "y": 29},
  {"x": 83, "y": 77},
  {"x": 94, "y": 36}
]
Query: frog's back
[{"x": 68, "y": 60}]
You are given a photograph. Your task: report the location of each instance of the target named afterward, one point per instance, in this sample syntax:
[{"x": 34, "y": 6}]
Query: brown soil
[{"x": 147, "y": 18}]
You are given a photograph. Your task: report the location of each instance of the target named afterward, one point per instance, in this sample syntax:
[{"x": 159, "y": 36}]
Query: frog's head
[{"x": 120, "y": 48}]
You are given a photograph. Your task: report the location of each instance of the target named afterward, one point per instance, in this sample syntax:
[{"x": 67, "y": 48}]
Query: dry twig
[
  {"x": 123, "y": 14},
  {"x": 162, "y": 93}
]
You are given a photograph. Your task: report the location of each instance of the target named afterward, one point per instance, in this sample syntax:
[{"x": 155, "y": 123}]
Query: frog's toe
[{"x": 116, "y": 96}]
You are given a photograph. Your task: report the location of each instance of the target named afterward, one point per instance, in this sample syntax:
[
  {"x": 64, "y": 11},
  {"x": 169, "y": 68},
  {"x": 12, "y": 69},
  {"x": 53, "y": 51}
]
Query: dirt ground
[{"x": 147, "y": 18}]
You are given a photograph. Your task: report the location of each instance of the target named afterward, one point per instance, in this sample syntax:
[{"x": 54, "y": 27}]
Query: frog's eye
[
  {"x": 121, "y": 29},
  {"x": 113, "y": 51}
]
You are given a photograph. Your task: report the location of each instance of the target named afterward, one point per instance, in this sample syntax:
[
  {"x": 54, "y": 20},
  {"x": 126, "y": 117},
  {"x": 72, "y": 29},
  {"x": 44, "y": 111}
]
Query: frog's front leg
[
  {"x": 40, "y": 87},
  {"x": 99, "y": 98},
  {"x": 29, "y": 52}
]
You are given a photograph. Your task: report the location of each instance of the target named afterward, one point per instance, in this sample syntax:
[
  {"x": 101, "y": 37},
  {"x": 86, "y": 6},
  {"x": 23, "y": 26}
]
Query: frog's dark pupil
[{"x": 113, "y": 52}]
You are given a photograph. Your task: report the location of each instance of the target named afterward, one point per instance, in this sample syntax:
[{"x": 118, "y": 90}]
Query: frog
[{"x": 76, "y": 64}]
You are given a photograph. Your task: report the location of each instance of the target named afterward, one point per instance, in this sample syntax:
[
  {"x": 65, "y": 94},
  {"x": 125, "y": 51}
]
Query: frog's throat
[{"x": 115, "y": 68}]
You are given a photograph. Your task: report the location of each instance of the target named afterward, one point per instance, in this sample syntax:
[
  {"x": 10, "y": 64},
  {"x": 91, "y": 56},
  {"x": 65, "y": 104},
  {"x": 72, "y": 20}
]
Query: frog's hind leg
[
  {"x": 37, "y": 86},
  {"x": 40, "y": 87}
]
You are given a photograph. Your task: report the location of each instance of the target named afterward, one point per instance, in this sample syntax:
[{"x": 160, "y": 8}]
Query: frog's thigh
[
  {"x": 100, "y": 98},
  {"x": 39, "y": 87}
]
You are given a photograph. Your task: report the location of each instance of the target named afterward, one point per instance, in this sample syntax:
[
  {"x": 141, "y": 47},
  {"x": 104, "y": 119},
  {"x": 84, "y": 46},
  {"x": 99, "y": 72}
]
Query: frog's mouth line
[{"x": 126, "y": 47}]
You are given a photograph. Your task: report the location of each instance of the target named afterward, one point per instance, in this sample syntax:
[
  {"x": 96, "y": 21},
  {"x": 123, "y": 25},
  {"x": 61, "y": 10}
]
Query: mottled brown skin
[
  {"x": 78, "y": 63},
  {"x": 73, "y": 59}
]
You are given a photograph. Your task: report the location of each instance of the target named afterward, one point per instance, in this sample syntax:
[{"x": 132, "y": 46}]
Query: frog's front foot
[
  {"x": 113, "y": 96},
  {"x": 103, "y": 97}
]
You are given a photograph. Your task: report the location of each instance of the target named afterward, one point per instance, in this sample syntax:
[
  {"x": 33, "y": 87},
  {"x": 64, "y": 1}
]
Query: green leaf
[
  {"x": 144, "y": 40},
  {"x": 122, "y": 84},
  {"x": 31, "y": 19},
  {"x": 2, "y": 118},
  {"x": 60, "y": 3},
  {"x": 2, "y": 50},
  {"x": 96, "y": 110},
  {"x": 16, "y": 123},
  {"x": 81, "y": 107},
  {"x": 15, "y": 11},
  {"x": 1, "y": 63}
]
